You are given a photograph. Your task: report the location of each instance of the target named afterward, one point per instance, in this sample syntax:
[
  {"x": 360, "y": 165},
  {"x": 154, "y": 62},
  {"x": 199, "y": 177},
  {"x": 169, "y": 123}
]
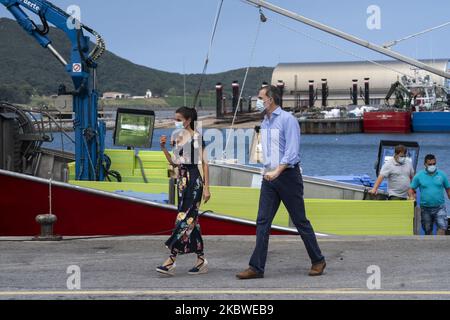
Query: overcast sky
[{"x": 165, "y": 34}]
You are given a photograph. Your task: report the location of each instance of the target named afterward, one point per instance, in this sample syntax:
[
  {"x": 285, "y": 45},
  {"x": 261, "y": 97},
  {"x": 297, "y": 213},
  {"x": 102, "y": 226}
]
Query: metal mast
[{"x": 349, "y": 37}]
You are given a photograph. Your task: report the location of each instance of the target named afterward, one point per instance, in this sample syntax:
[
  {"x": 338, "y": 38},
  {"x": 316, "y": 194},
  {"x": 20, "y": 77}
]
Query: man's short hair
[
  {"x": 401, "y": 149},
  {"x": 430, "y": 157},
  {"x": 274, "y": 93}
]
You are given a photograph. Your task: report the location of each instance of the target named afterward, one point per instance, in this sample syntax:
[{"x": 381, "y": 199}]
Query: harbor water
[{"x": 326, "y": 155}]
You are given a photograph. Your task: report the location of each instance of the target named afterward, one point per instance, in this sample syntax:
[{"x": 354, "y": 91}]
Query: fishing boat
[
  {"x": 142, "y": 203},
  {"x": 127, "y": 192},
  {"x": 387, "y": 121},
  {"x": 431, "y": 121},
  {"x": 421, "y": 105},
  {"x": 431, "y": 106}
]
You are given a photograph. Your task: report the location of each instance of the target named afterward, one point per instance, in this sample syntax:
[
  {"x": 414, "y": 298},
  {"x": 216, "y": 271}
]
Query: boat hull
[
  {"x": 431, "y": 121},
  {"x": 86, "y": 212},
  {"x": 387, "y": 122}
]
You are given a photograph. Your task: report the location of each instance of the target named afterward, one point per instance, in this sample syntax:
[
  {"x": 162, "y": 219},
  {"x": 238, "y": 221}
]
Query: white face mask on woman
[{"x": 179, "y": 125}]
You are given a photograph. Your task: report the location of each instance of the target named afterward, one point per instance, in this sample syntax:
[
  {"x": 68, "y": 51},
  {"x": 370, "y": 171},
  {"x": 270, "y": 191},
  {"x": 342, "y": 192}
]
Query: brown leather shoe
[
  {"x": 249, "y": 274},
  {"x": 318, "y": 269}
]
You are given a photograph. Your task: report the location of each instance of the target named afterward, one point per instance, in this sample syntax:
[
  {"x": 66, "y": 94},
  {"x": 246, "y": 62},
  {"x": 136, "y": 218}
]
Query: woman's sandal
[
  {"x": 169, "y": 269},
  {"x": 202, "y": 268}
]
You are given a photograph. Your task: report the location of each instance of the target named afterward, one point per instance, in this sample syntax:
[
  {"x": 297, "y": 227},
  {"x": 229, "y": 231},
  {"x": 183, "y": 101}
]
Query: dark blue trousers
[{"x": 288, "y": 187}]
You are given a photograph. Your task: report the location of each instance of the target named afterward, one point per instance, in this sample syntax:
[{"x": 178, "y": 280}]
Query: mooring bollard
[{"x": 46, "y": 221}]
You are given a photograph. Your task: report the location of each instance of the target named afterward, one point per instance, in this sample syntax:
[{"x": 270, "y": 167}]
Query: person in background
[
  {"x": 432, "y": 183},
  {"x": 399, "y": 173},
  {"x": 189, "y": 152}
]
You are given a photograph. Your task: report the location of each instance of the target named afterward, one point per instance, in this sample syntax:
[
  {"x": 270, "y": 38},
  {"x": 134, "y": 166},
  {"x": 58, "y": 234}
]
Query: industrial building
[{"x": 334, "y": 83}]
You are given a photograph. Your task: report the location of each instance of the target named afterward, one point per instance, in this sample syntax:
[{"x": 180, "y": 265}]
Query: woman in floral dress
[{"x": 188, "y": 154}]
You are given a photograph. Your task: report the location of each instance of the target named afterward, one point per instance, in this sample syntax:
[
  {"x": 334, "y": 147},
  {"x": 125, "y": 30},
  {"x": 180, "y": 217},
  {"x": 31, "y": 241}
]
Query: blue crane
[{"x": 89, "y": 131}]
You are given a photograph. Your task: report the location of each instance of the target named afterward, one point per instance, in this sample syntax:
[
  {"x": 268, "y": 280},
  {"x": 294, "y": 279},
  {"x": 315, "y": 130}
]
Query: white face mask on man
[
  {"x": 261, "y": 105},
  {"x": 431, "y": 169}
]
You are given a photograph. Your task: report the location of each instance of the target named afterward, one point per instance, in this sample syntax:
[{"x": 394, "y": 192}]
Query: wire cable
[
  {"x": 89, "y": 155},
  {"x": 261, "y": 20},
  {"x": 348, "y": 52},
  {"x": 141, "y": 166},
  {"x": 211, "y": 42},
  {"x": 395, "y": 42}
]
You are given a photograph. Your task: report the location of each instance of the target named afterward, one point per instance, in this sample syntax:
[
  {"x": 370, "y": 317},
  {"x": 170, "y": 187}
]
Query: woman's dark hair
[{"x": 189, "y": 114}]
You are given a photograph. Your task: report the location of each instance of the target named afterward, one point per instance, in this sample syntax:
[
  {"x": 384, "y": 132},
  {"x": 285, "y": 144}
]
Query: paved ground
[{"x": 411, "y": 268}]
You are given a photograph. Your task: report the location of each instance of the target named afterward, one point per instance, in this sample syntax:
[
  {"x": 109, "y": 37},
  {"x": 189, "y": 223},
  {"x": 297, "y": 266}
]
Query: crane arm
[
  {"x": 398, "y": 87},
  {"x": 89, "y": 132},
  {"x": 49, "y": 13},
  {"x": 349, "y": 37},
  {"x": 14, "y": 7}
]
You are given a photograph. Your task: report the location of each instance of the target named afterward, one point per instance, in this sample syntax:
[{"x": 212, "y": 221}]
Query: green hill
[{"x": 26, "y": 69}]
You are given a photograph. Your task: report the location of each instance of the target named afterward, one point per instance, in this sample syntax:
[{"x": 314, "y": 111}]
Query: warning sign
[{"x": 76, "y": 67}]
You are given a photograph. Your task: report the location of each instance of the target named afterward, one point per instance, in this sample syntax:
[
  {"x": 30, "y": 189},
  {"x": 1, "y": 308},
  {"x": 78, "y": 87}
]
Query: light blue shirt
[
  {"x": 280, "y": 137},
  {"x": 431, "y": 188}
]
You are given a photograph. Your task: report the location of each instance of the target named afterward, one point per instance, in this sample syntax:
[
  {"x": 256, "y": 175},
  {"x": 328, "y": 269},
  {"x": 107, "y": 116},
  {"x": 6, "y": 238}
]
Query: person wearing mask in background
[
  {"x": 399, "y": 173},
  {"x": 432, "y": 182},
  {"x": 189, "y": 153},
  {"x": 282, "y": 181}
]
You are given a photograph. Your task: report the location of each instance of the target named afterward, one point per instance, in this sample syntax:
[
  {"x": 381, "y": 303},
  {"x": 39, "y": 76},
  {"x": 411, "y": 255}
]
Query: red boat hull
[
  {"x": 387, "y": 122},
  {"x": 85, "y": 212}
]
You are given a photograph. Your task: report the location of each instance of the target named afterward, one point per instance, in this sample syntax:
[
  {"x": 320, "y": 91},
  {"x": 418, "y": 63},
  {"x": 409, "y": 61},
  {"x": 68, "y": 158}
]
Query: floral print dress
[{"x": 186, "y": 237}]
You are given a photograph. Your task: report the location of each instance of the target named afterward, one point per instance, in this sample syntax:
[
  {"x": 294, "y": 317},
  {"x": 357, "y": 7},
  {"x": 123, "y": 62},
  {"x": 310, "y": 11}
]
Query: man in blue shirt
[
  {"x": 282, "y": 182},
  {"x": 432, "y": 183}
]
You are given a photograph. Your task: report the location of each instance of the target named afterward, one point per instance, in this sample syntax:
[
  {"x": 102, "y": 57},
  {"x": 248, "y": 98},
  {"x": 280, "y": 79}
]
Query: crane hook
[{"x": 262, "y": 16}]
